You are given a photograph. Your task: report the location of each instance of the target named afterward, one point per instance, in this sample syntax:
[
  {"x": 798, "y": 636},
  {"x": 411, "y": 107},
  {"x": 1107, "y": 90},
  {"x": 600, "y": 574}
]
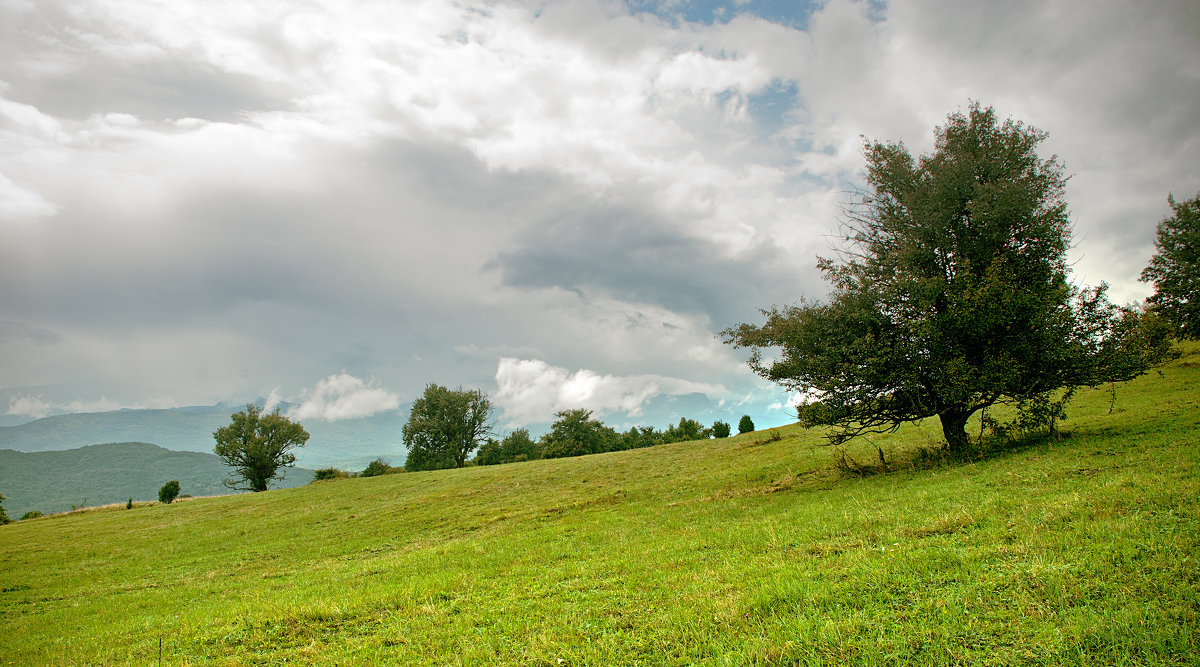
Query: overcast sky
[{"x": 560, "y": 203}]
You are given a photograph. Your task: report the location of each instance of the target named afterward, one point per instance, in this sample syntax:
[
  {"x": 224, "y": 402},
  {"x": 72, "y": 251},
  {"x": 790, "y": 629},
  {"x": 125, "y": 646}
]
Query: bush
[
  {"x": 745, "y": 425},
  {"x": 169, "y": 492},
  {"x": 3, "y": 517},
  {"x": 720, "y": 429},
  {"x": 31, "y": 514},
  {"x": 329, "y": 473},
  {"x": 378, "y": 467},
  {"x": 129, "y": 505}
]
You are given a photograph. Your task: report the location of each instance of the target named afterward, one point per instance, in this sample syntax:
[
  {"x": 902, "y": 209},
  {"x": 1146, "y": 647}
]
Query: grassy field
[{"x": 750, "y": 550}]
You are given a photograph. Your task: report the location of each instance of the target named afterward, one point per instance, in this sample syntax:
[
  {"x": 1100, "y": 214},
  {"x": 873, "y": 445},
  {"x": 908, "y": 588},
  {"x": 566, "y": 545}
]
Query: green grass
[{"x": 1081, "y": 550}]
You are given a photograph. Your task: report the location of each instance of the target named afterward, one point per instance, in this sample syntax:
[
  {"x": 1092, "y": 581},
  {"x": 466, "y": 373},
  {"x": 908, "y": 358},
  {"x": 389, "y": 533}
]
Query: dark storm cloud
[{"x": 633, "y": 256}]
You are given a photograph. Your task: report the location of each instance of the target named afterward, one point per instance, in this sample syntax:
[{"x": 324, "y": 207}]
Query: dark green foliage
[
  {"x": 686, "y": 429},
  {"x": 951, "y": 295},
  {"x": 516, "y": 446},
  {"x": 575, "y": 433},
  {"x": 322, "y": 474},
  {"x": 129, "y": 504},
  {"x": 379, "y": 467},
  {"x": 3, "y": 517},
  {"x": 168, "y": 492},
  {"x": 638, "y": 437},
  {"x": 258, "y": 447},
  {"x": 31, "y": 514},
  {"x": 1175, "y": 268},
  {"x": 720, "y": 429},
  {"x": 745, "y": 425},
  {"x": 445, "y": 426}
]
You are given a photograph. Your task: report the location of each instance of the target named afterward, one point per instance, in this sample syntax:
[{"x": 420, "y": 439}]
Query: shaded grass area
[{"x": 1079, "y": 550}]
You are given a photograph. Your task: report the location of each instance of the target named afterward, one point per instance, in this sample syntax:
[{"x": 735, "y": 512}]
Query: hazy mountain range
[{"x": 54, "y": 481}]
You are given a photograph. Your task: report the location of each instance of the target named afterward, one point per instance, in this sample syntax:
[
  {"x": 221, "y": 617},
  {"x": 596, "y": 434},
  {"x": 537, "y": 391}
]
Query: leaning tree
[{"x": 950, "y": 295}]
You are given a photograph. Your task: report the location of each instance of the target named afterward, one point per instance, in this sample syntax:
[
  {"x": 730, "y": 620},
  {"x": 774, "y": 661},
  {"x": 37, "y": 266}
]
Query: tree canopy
[
  {"x": 950, "y": 295},
  {"x": 258, "y": 447},
  {"x": 576, "y": 433},
  {"x": 445, "y": 426},
  {"x": 1175, "y": 268}
]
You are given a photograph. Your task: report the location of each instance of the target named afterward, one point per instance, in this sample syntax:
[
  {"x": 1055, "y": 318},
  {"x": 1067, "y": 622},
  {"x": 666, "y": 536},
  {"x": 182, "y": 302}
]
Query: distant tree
[
  {"x": 129, "y": 505},
  {"x": 1175, "y": 268},
  {"x": 745, "y": 425},
  {"x": 686, "y": 429},
  {"x": 168, "y": 492},
  {"x": 951, "y": 295},
  {"x": 575, "y": 433},
  {"x": 31, "y": 514},
  {"x": 720, "y": 429},
  {"x": 258, "y": 447},
  {"x": 3, "y": 517},
  {"x": 378, "y": 467},
  {"x": 445, "y": 426},
  {"x": 639, "y": 437}
]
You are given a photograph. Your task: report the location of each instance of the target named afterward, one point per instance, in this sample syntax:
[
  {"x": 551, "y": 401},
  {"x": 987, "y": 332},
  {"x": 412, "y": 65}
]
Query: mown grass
[{"x": 1079, "y": 550}]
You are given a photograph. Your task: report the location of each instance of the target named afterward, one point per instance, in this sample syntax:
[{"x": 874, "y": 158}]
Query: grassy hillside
[
  {"x": 110, "y": 473},
  {"x": 743, "y": 551}
]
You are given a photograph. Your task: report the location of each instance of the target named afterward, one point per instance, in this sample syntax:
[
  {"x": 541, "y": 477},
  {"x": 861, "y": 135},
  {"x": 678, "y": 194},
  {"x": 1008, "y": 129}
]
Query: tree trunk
[{"x": 954, "y": 428}]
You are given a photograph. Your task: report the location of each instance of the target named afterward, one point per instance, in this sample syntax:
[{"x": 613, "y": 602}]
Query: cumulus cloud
[
  {"x": 341, "y": 396},
  {"x": 531, "y": 390}
]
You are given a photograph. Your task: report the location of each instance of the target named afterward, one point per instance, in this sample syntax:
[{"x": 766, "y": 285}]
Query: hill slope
[
  {"x": 750, "y": 550},
  {"x": 110, "y": 473},
  {"x": 350, "y": 443}
]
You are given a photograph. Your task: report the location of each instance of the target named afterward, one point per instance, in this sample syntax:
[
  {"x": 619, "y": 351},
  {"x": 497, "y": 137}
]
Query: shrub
[
  {"x": 169, "y": 492},
  {"x": 329, "y": 473},
  {"x": 720, "y": 429},
  {"x": 31, "y": 514},
  {"x": 745, "y": 425},
  {"x": 378, "y": 467},
  {"x": 3, "y": 517},
  {"x": 129, "y": 505}
]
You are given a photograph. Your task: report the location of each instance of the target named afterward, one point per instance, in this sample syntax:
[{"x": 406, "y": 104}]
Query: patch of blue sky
[{"x": 792, "y": 13}]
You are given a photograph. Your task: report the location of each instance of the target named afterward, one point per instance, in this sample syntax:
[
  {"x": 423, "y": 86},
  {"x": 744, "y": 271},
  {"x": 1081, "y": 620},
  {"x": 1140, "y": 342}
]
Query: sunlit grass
[{"x": 1080, "y": 550}]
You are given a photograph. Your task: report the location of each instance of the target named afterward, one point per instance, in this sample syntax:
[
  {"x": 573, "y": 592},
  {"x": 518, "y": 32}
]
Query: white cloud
[
  {"x": 29, "y": 406},
  {"x": 531, "y": 390},
  {"x": 17, "y": 203},
  {"x": 342, "y": 396}
]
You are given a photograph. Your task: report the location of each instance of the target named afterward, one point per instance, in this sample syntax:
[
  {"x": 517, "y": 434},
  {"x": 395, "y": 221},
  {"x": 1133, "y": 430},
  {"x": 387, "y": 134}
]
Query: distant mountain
[
  {"x": 348, "y": 444},
  {"x": 110, "y": 473}
]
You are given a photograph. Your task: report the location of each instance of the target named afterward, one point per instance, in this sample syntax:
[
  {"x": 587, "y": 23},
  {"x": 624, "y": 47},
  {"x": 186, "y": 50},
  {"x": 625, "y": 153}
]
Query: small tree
[
  {"x": 3, "y": 517},
  {"x": 720, "y": 429},
  {"x": 258, "y": 447},
  {"x": 1175, "y": 268},
  {"x": 31, "y": 514},
  {"x": 169, "y": 492},
  {"x": 575, "y": 433},
  {"x": 445, "y": 426},
  {"x": 745, "y": 425},
  {"x": 685, "y": 430},
  {"x": 376, "y": 468},
  {"x": 951, "y": 295}
]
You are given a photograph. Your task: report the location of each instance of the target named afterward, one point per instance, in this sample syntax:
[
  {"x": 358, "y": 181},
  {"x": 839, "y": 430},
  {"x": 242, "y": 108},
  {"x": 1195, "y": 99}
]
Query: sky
[{"x": 562, "y": 203}]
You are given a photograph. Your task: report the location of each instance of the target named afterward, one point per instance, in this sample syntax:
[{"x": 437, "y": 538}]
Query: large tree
[
  {"x": 950, "y": 295},
  {"x": 1175, "y": 268},
  {"x": 258, "y": 447},
  {"x": 576, "y": 433},
  {"x": 445, "y": 426}
]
